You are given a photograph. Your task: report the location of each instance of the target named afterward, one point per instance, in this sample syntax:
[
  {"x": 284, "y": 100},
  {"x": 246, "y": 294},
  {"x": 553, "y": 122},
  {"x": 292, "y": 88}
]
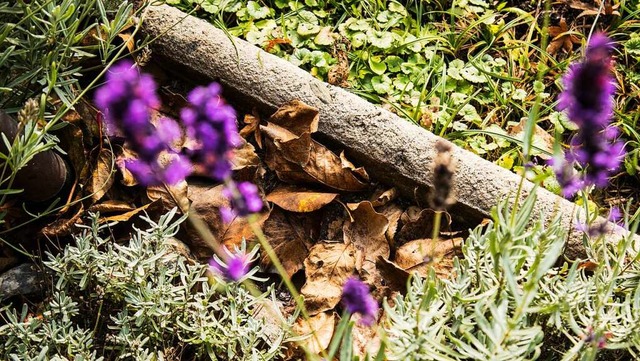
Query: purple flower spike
[
  {"x": 126, "y": 100},
  {"x": 588, "y": 101},
  {"x": 212, "y": 123},
  {"x": 235, "y": 268},
  {"x": 245, "y": 200},
  {"x": 357, "y": 299}
]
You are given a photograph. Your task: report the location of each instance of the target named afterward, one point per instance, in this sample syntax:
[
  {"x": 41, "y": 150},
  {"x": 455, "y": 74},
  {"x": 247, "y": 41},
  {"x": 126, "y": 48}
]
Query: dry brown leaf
[
  {"x": 297, "y": 117},
  {"x": 411, "y": 256},
  {"x": 72, "y": 141},
  {"x": 593, "y": 10},
  {"x": 541, "y": 138},
  {"x": 383, "y": 196},
  {"x": 124, "y": 217},
  {"x": 392, "y": 212},
  {"x": 366, "y": 340},
  {"x": 418, "y": 223},
  {"x": 367, "y": 233},
  {"x": 561, "y": 38},
  {"x": 297, "y": 199},
  {"x": 102, "y": 177},
  {"x": 127, "y": 177},
  {"x": 206, "y": 202},
  {"x": 64, "y": 226},
  {"x": 111, "y": 206},
  {"x": 171, "y": 196},
  {"x": 393, "y": 276},
  {"x": 360, "y": 172},
  {"x": 296, "y": 158},
  {"x": 245, "y": 162},
  {"x": 327, "y": 268},
  {"x": 252, "y": 126},
  {"x": 327, "y": 168},
  {"x": 127, "y": 38},
  {"x": 323, "y": 325},
  {"x": 290, "y": 239}
]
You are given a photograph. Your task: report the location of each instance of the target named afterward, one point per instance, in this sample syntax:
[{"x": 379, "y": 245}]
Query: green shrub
[{"x": 141, "y": 301}]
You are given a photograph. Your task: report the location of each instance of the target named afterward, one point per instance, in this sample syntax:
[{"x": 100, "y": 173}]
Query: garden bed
[{"x": 394, "y": 151}]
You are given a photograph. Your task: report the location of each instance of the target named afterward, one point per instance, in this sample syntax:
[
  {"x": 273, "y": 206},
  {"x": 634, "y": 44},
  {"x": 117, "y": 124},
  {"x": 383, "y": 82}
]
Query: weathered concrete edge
[{"x": 393, "y": 150}]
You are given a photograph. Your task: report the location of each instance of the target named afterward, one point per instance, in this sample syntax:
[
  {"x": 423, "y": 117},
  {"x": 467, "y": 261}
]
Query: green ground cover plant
[{"x": 468, "y": 70}]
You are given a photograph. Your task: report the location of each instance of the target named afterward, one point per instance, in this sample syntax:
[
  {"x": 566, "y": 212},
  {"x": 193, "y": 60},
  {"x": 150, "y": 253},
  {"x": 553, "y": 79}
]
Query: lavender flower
[
  {"x": 245, "y": 199},
  {"x": 126, "y": 100},
  {"x": 588, "y": 101},
  {"x": 356, "y": 299},
  {"x": 212, "y": 123},
  {"x": 235, "y": 267}
]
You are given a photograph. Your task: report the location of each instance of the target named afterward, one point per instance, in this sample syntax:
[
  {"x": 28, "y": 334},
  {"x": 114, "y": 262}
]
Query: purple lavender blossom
[
  {"x": 588, "y": 101},
  {"x": 566, "y": 176},
  {"x": 126, "y": 100},
  {"x": 245, "y": 199},
  {"x": 356, "y": 299},
  {"x": 235, "y": 267},
  {"x": 212, "y": 123}
]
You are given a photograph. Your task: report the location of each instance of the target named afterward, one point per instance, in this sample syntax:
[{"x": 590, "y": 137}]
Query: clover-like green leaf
[
  {"x": 632, "y": 46},
  {"x": 256, "y": 11},
  {"x": 396, "y": 7},
  {"x": 324, "y": 36},
  {"x": 377, "y": 65},
  {"x": 473, "y": 75},
  {"x": 393, "y": 63},
  {"x": 381, "y": 84},
  {"x": 380, "y": 39},
  {"x": 306, "y": 29}
]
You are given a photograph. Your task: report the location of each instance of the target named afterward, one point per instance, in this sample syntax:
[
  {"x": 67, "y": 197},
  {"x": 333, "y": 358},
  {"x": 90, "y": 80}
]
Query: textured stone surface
[
  {"x": 24, "y": 279},
  {"x": 393, "y": 150}
]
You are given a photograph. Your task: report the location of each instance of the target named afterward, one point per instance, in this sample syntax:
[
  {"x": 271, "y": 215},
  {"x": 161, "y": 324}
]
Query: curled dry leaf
[
  {"x": 394, "y": 278},
  {"x": 102, "y": 177},
  {"x": 63, "y": 226},
  {"x": 410, "y": 256},
  {"x": 296, "y": 158},
  {"x": 542, "y": 141},
  {"x": 393, "y": 212},
  {"x": 290, "y": 237},
  {"x": 367, "y": 233},
  {"x": 327, "y": 268},
  {"x": 318, "y": 331},
  {"x": 171, "y": 196},
  {"x": 297, "y": 117},
  {"x": 245, "y": 162},
  {"x": 298, "y": 199},
  {"x": 111, "y": 206},
  {"x": 383, "y": 196},
  {"x": 418, "y": 223},
  {"x": 72, "y": 141},
  {"x": 359, "y": 171},
  {"x": 366, "y": 340},
  {"x": 206, "y": 202},
  {"x": 127, "y": 177},
  {"x": 252, "y": 126},
  {"x": 124, "y": 217}
]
